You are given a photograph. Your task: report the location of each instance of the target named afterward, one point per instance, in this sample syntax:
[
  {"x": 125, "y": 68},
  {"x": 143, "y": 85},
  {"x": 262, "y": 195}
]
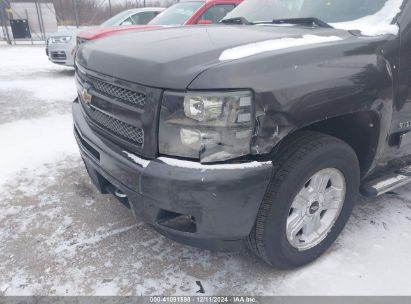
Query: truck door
[{"x": 401, "y": 122}]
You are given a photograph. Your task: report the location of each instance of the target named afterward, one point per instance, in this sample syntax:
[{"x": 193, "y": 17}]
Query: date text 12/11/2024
[{"x": 203, "y": 299}]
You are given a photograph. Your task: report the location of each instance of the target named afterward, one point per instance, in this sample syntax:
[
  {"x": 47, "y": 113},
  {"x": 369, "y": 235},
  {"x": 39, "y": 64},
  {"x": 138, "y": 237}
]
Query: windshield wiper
[
  {"x": 303, "y": 21},
  {"x": 237, "y": 20}
]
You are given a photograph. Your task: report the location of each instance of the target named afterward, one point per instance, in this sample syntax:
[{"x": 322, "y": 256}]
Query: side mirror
[
  {"x": 127, "y": 23},
  {"x": 205, "y": 21}
]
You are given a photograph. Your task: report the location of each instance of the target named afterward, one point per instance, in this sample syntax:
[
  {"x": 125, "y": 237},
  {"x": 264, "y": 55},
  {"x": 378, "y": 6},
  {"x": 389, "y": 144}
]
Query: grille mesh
[
  {"x": 134, "y": 134},
  {"x": 128, "y": 96},
  {"x": 58, "y": 55}
]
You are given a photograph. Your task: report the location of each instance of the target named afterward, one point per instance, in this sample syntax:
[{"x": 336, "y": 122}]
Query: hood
[
  {"x": 100, "y": 32},
  {"x": 173, "y": 57},
  {"x": 70, "y": 32}
]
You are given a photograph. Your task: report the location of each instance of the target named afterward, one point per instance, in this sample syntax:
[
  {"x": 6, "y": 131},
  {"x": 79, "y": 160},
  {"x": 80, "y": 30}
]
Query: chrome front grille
[
  {"x": 125, "y": 95},
  {"x": 121, "y": 129},
  {"x": 120, "y": 111},
  {"x": 58, "y": 55}
]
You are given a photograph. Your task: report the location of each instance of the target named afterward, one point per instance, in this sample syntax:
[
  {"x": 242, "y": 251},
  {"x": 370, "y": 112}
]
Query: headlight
[
  {"x": 80, "y": 41},
  {"x": 60, "y": 39},
  {"x": 209, "y": 127}
]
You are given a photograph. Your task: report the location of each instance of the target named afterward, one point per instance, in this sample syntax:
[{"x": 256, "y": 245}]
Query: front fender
[{"x": 302, "y": 86}]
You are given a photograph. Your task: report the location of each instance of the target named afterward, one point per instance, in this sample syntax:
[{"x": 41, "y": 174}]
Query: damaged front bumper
[{"x": 207, "y": 206}]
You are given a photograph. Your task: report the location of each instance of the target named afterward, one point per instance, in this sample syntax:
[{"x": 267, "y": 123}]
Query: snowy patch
[
  {"x": 33, "y": 142},
  {"x": 273, "y": 45},
  {"x": 49, "y": 89},
  {"x": 195, "y": 165},
  {"x": 19, "y": 61},
  {"x": 70, "y": 247},
  {"x": 377, "y": 24},
  {"x": 142, "y": 162},
  {"x": 31, "y": 86}
]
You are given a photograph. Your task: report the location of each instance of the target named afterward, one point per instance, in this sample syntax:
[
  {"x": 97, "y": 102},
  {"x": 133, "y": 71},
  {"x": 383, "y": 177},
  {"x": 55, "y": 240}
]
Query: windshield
[
  {"x": 178, "y": 14},
  {"x": 116, "y": 20},
  {"x": 334, "y": 12}
]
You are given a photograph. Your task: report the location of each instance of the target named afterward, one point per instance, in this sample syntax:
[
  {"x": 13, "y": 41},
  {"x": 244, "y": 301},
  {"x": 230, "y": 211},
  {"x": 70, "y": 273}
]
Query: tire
[{"x": 299, "y": 160}]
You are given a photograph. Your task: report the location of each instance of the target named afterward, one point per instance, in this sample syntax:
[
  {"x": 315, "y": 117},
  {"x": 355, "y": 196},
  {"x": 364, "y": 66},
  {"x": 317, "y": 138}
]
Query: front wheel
[{"x": 308, "y": 201}]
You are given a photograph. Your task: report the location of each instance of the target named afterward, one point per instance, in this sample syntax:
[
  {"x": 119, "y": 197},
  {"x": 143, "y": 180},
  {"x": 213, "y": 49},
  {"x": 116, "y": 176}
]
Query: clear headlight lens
[
  {"x": 209, "y": 127},
  {"x": 60, "y": 39},
  {"x": 203, "y": 108}
]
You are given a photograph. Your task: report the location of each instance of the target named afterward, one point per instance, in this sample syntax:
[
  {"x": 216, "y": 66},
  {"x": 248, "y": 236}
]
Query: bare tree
[{"x": 93, "y": 12}]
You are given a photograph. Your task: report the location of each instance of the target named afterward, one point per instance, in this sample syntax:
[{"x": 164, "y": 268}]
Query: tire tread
[{"x": 291, "y": 152}]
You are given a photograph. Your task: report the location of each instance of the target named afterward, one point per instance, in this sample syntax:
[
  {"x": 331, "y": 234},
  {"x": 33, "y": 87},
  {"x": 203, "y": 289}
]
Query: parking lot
[{"x": 58, "y": 236}]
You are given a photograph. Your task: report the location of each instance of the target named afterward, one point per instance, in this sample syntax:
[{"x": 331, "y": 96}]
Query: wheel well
[{"x": 359, "y": 130}]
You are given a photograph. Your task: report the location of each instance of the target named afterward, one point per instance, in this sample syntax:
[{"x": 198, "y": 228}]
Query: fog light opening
[
  {"x": 119, "y": 195},
  {"x": 177, "y": 221}
]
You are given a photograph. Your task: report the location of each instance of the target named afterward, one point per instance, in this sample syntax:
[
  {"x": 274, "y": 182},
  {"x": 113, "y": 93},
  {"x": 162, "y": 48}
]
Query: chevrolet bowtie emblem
[{"x": 86, "y": 96}]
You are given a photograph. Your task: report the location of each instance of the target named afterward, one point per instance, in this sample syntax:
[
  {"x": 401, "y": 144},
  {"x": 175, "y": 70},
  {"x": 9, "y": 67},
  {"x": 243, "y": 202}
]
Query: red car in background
[{"x": 188, "y": 12}]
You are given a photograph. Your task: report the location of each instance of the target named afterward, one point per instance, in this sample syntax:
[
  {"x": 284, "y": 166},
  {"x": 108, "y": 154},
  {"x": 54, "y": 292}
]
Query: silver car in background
[{"x": 61, "y": 46}]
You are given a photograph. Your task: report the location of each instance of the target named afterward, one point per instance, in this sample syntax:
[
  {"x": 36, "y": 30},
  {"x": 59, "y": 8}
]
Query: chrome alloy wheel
[{"x": 315, "y": 209}]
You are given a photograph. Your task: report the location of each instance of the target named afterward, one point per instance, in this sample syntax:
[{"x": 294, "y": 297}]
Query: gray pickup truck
[{"x": 261, "y": 130}]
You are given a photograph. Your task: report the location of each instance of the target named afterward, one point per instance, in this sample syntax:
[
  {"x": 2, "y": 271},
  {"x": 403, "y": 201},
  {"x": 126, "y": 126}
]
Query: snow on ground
[
  {"x": 58, "y": 236},
  {"x": 31, "y": 86},
  {"x": 26, "y": 144}
]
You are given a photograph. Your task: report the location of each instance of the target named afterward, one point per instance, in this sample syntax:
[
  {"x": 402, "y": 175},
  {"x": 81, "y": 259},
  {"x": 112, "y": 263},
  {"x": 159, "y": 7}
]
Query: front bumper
[
  {"x": 61, "y": 53},
  {"x": 213, "y": 207}
]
